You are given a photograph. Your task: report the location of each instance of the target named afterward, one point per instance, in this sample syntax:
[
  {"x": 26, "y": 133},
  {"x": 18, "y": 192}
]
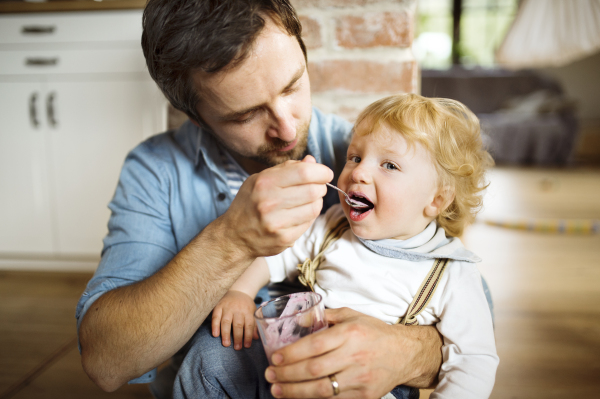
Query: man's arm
[
  {"x": 135, "y": 328},
  {"x": 365, "y": 354}
]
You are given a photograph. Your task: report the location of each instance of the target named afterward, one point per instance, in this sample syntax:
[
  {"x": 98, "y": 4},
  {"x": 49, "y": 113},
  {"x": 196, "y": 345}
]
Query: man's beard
[{"x": 269, "y": 156}]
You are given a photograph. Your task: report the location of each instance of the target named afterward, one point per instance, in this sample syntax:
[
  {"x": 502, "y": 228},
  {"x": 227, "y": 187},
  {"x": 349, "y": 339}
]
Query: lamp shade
[{"x": 548, "y": 33}]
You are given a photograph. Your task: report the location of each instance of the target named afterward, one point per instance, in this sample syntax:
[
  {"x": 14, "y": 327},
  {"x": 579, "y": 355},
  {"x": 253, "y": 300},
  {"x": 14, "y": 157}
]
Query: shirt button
[{"x": 221, "y": 196}]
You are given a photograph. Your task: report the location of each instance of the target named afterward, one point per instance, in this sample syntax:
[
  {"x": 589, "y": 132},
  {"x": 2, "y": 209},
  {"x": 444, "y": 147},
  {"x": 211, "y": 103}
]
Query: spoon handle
[{"x": 334, "y": 187}]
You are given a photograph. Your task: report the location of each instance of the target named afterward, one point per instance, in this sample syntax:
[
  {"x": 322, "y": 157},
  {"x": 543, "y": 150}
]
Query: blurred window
[{"x": 480, "y": 28}]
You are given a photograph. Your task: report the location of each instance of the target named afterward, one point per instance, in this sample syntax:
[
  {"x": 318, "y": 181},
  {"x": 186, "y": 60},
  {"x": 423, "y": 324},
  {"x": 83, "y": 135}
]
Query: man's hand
[
  {"x": 367, "y": 356},
  {"x": 276, "y": 206},
  {"x": 134, "y": 328},
  {"x": 235, "y": 308}
]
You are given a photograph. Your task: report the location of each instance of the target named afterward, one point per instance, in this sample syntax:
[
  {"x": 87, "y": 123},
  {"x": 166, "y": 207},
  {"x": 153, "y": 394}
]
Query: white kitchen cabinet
[
  {"x": 69, "y": 113},
  {"x": 25, "y": 200},
  {"x": 97, "y": 123}
]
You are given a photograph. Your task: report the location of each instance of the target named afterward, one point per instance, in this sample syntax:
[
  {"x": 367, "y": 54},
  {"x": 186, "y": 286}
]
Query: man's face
[{"x": 260, "y": 110}]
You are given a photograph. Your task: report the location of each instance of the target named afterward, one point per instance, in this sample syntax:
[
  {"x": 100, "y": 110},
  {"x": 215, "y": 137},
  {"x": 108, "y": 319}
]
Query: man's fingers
[
  {"x": 285, "y": 222},
  {"x": 321, "y": 388},
  {"x": 293, "y": 173},
  {"x": 308, "y": 347},
  {"x": 336, "y": 316},
  {"x": 311, "y": 369},
  {"x": 296, "y": 196}
]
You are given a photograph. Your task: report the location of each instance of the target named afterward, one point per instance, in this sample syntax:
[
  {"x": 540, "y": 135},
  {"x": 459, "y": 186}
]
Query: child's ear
[{"x": 441, "y": 201}]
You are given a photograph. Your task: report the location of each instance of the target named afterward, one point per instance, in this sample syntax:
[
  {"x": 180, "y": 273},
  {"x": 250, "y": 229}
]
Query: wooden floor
[{"x": 546, "y": 290}]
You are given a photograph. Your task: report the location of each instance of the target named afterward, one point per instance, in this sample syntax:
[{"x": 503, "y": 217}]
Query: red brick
[
  {"x": 311, "y": 32},
  {"x": 362, "y": 76},
  {"x": 374, "y": 29}
]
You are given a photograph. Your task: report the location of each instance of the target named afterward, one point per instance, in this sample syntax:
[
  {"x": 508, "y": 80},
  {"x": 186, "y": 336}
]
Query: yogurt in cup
[{"x": 286, "y": 319}]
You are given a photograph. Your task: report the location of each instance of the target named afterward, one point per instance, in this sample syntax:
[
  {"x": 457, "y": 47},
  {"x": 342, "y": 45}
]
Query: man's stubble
[{"x": 268, "y": 155}]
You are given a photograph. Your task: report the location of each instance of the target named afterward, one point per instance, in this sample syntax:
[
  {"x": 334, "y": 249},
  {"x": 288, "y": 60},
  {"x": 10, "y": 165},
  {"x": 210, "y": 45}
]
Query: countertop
[{"x": 69, "y": 5}]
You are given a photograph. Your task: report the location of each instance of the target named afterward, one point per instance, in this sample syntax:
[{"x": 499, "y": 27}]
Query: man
[{"x": 179, "y": 236}]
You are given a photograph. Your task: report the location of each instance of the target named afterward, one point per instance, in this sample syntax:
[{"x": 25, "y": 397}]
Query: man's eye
[
  {"x": 246, "y": 118},
  {"x": 390, "y": 166}
]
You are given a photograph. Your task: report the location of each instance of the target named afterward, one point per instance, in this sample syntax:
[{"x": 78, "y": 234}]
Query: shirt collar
[{"x": 431, "y": 243}]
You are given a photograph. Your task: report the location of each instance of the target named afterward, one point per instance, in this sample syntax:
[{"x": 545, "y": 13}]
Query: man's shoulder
[
  {"x": 168, "y": 146},
  {"x": 330, "y": 124}
]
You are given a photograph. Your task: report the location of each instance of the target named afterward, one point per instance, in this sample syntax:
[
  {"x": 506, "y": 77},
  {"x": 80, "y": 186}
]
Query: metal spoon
[{"x": 349, "y": 201}]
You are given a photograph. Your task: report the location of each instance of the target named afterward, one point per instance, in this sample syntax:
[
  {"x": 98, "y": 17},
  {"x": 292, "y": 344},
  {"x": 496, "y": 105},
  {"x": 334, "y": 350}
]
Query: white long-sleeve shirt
[{"x": 355, "y": 276}]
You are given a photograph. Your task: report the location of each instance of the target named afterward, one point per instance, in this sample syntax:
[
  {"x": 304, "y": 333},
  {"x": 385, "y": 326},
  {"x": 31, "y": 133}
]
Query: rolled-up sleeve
[{"x": 140, "y": 239}]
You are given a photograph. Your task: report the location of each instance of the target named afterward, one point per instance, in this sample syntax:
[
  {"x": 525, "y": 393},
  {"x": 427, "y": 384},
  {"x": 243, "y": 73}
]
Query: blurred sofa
[{"x": 526, "y": 118}]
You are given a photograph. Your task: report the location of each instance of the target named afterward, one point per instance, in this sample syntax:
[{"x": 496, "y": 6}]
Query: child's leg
[{"x": 210, "y": 370}]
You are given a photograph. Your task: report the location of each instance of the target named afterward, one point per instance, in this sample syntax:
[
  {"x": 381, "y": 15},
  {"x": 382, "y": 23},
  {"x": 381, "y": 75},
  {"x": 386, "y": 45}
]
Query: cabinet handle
[
  {"x": 33, "y": 111},
  {"x": 50, "y": 110},
  {"x": 41, "y": 61},
  {"x": 38, "y": 30}
]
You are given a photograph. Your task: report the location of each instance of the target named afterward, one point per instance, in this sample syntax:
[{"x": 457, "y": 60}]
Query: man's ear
[{"x": 442, "y": 200}]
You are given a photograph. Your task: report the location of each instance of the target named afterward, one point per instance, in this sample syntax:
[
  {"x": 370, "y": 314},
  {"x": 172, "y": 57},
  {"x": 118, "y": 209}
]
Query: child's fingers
[
  {"x": 255, "y": 334},
  {"x": 216, "y": 322},
  {"x": 249, "y": 330},
  {"x": 238, "y": 330},
  {"x": 226, "y": 329}
]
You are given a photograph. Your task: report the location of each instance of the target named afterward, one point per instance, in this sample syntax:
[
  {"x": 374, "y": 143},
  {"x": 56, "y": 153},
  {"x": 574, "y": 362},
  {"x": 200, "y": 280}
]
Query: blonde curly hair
[{"x": 451, "y": 133}]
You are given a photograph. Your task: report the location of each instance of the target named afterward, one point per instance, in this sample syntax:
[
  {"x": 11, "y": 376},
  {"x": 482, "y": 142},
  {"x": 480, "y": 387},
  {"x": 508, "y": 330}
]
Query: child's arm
[
  {"x": 469, "y": 351},
  {"x": 237, "y": 307}
]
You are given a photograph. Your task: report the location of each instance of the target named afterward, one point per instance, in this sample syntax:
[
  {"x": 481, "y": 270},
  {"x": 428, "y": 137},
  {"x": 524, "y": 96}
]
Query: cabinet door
[
  {"x": 25, "y": 201},
  {"x": 93, "y": 126}
]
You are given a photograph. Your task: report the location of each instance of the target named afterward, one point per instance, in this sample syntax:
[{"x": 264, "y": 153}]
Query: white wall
[{"x": 581, "y": 81}]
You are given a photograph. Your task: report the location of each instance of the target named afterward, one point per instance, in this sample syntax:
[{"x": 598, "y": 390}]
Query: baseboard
[{"x": 23, "y": 263}]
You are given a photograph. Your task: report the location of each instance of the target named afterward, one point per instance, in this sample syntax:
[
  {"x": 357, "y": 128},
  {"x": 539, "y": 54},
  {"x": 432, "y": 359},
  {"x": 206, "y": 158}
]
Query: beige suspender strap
[
  {"x": 308, "y": 269},
  {"x": 424, "y": 293}
]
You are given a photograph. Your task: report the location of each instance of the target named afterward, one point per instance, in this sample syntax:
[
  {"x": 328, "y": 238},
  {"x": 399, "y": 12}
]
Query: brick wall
[{"x": 358, "y": 51}]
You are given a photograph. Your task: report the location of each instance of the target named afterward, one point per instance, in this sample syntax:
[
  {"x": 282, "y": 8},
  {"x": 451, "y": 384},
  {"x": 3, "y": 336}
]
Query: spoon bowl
[{"x": 349, "y": 201}]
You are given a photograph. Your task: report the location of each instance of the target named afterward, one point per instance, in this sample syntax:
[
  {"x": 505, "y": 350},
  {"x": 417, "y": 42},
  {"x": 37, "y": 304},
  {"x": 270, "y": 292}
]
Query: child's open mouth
[{"x": 359, "y": 213}]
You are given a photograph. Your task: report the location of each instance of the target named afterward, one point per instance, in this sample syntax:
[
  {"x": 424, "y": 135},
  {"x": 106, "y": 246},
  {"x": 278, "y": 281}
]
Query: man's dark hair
[{"x": 184, "y": 36}]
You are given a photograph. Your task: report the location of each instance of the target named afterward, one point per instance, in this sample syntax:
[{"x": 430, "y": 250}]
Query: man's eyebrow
[
  {"x": 296, "y": 77},
  {"x": 238, "y": 114}
]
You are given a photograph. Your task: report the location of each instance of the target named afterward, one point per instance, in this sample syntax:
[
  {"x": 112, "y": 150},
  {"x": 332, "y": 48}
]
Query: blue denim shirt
[{"x": 171, "y": 187}]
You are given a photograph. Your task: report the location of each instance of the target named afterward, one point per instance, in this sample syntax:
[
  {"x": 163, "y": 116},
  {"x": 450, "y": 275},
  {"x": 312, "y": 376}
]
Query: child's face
[{"x": 400, "y": 182}]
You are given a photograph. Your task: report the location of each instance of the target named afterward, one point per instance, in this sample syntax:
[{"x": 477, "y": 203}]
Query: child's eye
[
  {"x": 390, "y": 166},
  {"x": 354, "y": 159}
]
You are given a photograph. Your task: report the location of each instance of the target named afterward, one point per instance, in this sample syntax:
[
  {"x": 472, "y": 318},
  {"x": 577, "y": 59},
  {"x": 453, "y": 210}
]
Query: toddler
[{"x": 418, "y": 165}]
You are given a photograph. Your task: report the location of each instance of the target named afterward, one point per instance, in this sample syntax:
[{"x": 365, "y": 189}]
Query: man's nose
[{"x": 283, "y": 125}]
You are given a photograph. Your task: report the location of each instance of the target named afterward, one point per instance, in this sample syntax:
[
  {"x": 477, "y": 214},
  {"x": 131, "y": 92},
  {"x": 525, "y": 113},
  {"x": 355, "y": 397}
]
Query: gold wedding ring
[{"x": 334, "y": 385}]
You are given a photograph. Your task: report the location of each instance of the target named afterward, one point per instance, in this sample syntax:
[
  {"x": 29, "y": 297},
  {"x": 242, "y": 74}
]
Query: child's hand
[{"x": 235, "y": 308}]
